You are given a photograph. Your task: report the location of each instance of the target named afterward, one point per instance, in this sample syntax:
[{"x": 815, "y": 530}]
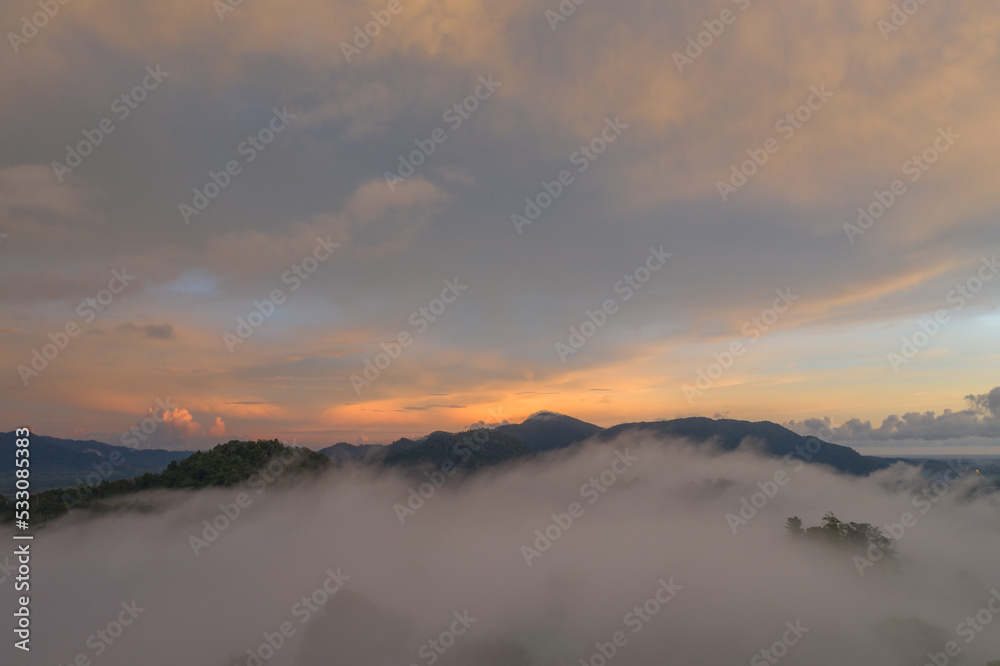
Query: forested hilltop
[{"x": 226, "y": 465}]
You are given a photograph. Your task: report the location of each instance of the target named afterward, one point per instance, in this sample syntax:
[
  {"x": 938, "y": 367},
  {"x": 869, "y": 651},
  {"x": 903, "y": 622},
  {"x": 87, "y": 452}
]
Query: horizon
[{"x": 975, "y": 447}]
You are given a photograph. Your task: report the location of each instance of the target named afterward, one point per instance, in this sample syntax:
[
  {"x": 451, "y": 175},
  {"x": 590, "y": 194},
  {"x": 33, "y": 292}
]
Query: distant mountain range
[
  {"x": 62, "y": 463},
  {"x": 544, "y": 431},
  {"x": 469, "y": 451},
  {"x": 548, "y": 431},
  {"x": 256, "y": 464},
  {"x": 65, "y": 463},
  {"x": 772, "y": 439}
]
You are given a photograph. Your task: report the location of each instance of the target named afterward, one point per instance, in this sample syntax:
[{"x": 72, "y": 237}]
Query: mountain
[
  {"x": 234, "y": 462},
  {"x": 342, "y": 452},
  {"x": 256, "y": 464},
  {"x": 546, "y": 431},
  {"x": 468, "y": 451},
  {"x": 774, "y": 440},
  {"x": 60, "y": 463},
  {"x": 110, "y": 472}
]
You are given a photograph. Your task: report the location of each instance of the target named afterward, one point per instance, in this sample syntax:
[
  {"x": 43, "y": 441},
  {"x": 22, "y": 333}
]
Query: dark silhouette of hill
[
  {"x": 342, "y": 452},
  {"x": 58, "y": 463},
  {"x": 92, "y": 473},
  {"x": 548, "y": 431},
  {"x": 468, "y": 451},
  {"x": 545, "y": 431},
  {"x": 259, "y": 464},
  {"x": 773, "y": 440}
]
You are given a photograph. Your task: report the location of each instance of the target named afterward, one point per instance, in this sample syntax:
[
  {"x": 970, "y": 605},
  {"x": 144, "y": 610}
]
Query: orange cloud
[
  {"x": 218, "y": 428},
  {"x": 181, "y": 421}
]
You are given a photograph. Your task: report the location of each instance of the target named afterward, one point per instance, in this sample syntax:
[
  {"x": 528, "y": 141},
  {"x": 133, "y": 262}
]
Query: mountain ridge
[
  {"x": 68, "y": 463},
  {"x": 57, "y": 462},
  {"x": 550, "y": 431}
]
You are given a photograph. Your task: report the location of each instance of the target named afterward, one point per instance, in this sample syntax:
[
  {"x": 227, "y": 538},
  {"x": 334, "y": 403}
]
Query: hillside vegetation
[{"x": 226, "y": 465}]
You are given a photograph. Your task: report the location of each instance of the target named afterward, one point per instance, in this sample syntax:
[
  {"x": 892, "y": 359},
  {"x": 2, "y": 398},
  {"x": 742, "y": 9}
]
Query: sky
[{"x": 223, "y": 216}]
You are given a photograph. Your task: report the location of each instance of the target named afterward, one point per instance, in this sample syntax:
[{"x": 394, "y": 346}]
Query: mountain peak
[
  {"x": 545, "y": 430},
  {"x": 546, "y": 415}
]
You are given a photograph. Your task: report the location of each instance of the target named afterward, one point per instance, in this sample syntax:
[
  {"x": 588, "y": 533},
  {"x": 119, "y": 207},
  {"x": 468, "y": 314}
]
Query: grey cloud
[
  {"x": 980, "y": 419},
  {"x": 154, "y": 331}
]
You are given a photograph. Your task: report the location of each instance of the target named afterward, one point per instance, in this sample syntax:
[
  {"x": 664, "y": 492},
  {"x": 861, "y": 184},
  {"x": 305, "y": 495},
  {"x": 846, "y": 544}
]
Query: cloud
[
  {"x": 664, "y": 518},
  {"x": 980, "y": 419},
  {"x": 387, "y": 222},
  {"x": 180, "y": 421},
  {"x": 217, "y": 429},
  {"x": 154, "y": 331},
  {"x": 160, "y": 332},
  {"x": 325, "y": 175},
  {"x": 372, "y": 224},
  {"x": 30, "y": 189},
  {"x": 988, "y": 403},
  {"x": 171, "y": 428}
]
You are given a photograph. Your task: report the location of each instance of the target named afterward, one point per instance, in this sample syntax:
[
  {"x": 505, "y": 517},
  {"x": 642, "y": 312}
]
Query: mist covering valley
[{"x": 638, "y": 550}]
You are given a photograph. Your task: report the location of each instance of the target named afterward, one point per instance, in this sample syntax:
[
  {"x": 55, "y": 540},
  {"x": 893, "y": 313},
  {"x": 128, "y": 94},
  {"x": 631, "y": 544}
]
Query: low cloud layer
[
  {"x": 980, "y": 419},
  {"x": 630, "y": 536}
]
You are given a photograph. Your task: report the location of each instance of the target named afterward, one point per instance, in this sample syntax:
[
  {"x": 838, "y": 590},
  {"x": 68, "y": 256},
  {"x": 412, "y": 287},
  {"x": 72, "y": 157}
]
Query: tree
[
  {"x": 858, "y": 536},
  {"x": 226, "y": 465},
  {"x": 833, "y": 528},
  {"x": 794, "y": 526}
]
